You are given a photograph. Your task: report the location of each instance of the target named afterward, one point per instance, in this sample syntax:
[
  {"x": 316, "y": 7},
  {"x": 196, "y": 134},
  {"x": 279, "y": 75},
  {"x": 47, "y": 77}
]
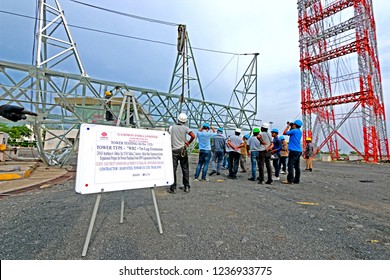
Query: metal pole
[
  {"x": 91, "y": 224},
  {"x": 122, "y": 207},
  {"x": 157, "y": 212}
]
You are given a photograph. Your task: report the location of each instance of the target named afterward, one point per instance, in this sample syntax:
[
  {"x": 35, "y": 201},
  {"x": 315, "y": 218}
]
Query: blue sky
[{"x": 246, "y": 26}]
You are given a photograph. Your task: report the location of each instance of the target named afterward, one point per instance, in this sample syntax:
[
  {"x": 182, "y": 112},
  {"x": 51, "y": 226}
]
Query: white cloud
[{"x": 267, "y": 27}]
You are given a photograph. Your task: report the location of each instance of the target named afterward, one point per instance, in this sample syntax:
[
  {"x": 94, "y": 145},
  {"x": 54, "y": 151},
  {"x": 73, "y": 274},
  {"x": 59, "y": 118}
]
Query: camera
[{"x": 290, "y": 124}]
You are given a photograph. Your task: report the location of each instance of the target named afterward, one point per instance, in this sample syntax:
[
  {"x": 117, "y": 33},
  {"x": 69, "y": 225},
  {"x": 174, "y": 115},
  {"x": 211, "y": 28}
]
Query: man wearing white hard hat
[
  {"x": 179, "y": 144},
  {"x": 234, "y": 145},
  {"x": 265, "y": 139}
]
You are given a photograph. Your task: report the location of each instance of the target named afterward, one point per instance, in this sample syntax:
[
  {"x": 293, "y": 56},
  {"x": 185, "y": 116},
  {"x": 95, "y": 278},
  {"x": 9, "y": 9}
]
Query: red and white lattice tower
[{"x": 341, "y": 83}]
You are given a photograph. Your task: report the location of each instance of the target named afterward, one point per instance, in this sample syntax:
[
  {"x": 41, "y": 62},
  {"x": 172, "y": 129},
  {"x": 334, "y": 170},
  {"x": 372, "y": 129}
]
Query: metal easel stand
[{"x": 128, "y": 99}]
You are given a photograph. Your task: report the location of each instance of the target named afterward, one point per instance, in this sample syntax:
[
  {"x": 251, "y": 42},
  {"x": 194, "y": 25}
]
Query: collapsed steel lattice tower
[
  {"x": 340, "y": 77},
  {"x": 242, "y": 108},
  {"x": 65, "y": 100}
]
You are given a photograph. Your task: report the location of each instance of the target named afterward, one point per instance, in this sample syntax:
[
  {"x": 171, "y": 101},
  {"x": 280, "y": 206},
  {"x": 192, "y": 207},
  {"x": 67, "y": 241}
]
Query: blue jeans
[
  {"x": 225, "y": 162},
  {"x": 282, "y": 163},
  {"x": 276, "y": 164},
  {"x": 217, "y": 160},
  {"x": 204, "y": 160},
  {"x": 254, "y": 159},
  {"x": 293, "y": 164}
]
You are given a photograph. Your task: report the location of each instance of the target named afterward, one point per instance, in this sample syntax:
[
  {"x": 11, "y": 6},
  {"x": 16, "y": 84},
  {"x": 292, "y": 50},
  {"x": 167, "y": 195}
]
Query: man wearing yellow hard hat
[
  {"x": 109, "y": 115},
  {"x": 309, "y": 154}
]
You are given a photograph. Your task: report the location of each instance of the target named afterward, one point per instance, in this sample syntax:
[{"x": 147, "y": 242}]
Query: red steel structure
[{"x": 341, "y": 88}]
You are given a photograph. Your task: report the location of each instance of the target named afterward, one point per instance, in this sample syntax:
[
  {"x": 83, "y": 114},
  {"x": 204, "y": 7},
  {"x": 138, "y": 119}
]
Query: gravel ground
[{"x": 346, "y": 216}]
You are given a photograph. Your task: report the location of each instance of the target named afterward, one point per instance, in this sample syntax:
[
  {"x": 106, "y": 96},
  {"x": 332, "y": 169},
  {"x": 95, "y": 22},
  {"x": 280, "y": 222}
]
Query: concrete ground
[
  {"x": 24, "y": 170},
  {"x": 19, "y": 176},
  {"x": 339, "y": 211}
]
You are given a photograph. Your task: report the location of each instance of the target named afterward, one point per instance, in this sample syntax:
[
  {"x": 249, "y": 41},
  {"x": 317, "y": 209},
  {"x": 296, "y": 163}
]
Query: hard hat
[
  {"x": 246, "y": 136},
  {"x": 107, "y": 93},
  {"x": 274, "y": 130},
  {"x": 298, "y": 122},
  {"x": 220, "y": 129},
  {"x": 308, "y": 139},
  {"x": 281, "y": 137},
  {"x": 206, "y": 125},
  {"x": 182, "y": 118},
  {"x": 238, "y": 130},
  {"x": 256, "y": 129},
  {"x": 265, "y": 125}
]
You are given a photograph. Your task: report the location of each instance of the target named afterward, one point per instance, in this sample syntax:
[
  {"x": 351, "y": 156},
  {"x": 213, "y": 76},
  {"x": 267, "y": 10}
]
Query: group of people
[{"x": 262, "y": 147}]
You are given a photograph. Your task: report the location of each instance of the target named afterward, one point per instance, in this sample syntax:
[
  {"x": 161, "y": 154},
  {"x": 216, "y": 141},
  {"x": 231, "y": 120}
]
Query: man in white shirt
[
  {"x": 234, "y": 145},
  {"x": 265, "y": 139},
  {"x": 179, "y": 145}
]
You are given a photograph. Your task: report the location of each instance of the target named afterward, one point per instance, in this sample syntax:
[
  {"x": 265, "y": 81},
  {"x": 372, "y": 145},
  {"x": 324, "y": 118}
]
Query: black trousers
[
  {"x": 264, "y": 159},
  {"x": 293, "y": 165},
  {"x": 184, "y": 168},
  {"x": 234, "y": 161}
]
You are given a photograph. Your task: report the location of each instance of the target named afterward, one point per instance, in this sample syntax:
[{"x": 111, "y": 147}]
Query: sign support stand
[
  {"x": 157, "y": 212},
  {"x": 122, "y": 207},
  {"x": 130, "y": 100},
  {"x": 91, "y": 224}
]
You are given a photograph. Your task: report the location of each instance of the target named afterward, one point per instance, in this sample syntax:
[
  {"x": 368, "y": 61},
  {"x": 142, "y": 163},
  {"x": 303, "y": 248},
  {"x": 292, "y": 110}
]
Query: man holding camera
[
  {"x": 15, "y": 113},
  {"x": 293, "y": 130}
]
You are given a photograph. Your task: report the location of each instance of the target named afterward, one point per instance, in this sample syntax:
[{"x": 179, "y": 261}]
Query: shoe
[
  {"x": 212, "y": 173},
  {"x": 187, "y": 189},
  {"x": 232, "y": 178},
  {"x": 251, "y": 179},
  {"x": 296, "y": 183},
  {"x": 261, "y": 182},
  {"x": 205, "y": 180},
  {"x": 218, "y": 173},
  {"x": 269, "y": 182},
  {"x": 282, "y": 172},
  {"x": 196, "y": 180},
  {"x": 243, "y": 171},
  {"x": 276, "y": 178},
  {"x": 310, "y": 169},
  {"x": 172, "y": 190},
  {"x": 286, "y": 182}
]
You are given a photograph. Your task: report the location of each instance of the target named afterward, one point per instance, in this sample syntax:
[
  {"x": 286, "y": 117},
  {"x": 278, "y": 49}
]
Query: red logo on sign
[{"x": 104, "y": 134}]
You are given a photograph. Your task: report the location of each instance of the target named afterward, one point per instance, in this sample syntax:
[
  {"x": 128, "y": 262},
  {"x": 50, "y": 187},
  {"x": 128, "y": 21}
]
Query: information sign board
[{"x": 113, "y": 158}]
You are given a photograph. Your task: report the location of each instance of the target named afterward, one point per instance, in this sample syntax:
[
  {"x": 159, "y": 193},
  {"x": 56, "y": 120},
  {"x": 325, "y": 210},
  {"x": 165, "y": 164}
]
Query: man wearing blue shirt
[
  {"x": 276, "y": 152},
  {"x": 294, "y": 151},
  {"x": 204, "y": 135}
]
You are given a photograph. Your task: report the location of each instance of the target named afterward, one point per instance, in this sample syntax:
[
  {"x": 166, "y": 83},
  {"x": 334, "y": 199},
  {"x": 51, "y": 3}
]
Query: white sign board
[{"x": 113, "y": 158}]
